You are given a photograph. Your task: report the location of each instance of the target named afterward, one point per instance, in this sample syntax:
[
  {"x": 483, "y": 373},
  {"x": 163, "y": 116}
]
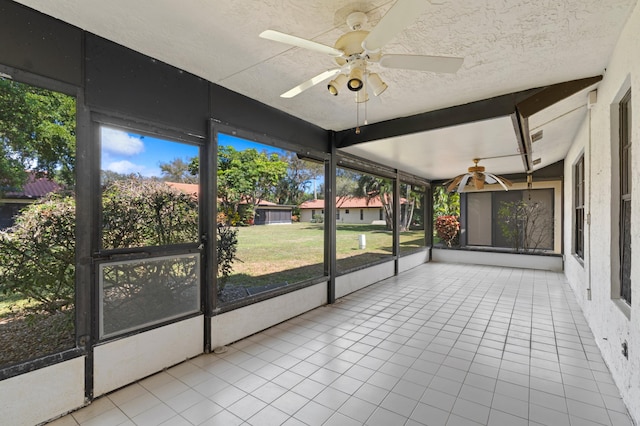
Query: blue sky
[{"x": 126, "y": 152}]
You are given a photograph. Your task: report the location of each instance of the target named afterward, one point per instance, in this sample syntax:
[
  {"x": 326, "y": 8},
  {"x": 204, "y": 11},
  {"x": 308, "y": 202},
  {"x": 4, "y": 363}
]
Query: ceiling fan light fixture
[
  {"x": 362, "y": 96},
  {"x": 377, "y": 85},
  {"x": 356, "y": 81},
  {"x": 335, "y": 84}
]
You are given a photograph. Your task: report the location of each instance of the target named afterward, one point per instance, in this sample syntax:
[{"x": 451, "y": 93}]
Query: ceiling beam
[
  {"x": 552, "y": 94},
  {"x": 524, "y": 103},
  {"x": 539, "y": 101},
  {"x": 485, "y": 109}
]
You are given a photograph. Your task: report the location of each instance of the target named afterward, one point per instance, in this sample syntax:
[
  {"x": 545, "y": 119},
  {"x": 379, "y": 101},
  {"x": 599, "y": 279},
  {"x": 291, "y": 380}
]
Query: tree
[
  {"x": 408, "y": 205},
  {"x": 371, "y": 187},
  {"x": 178, "y": 170},
  {"x": 526, "y": 225},
  {"x": 346, "y": 185},
  {"x": 293, "y": 188},
  {"x": 246, "y": 178},
  {"x": 37, "y": 133},
  {"x": 446, "y": 210},
  {"x": 445, "y": 203}
]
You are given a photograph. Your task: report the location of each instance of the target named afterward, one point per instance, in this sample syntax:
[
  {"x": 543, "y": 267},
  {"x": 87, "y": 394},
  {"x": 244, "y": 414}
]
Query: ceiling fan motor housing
[{"x": 356, "y": 20}]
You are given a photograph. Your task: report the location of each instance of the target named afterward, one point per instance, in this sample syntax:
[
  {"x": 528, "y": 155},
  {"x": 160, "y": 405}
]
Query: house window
[
  {"x": 380, "y": 215},
  {"x": 578, "y": 191},
  {"x": 361, "y": 214},
  {"x": 337, "y": 214},
  {"x": 346, "y": 211},
  {"x": 625, "y": 197}
]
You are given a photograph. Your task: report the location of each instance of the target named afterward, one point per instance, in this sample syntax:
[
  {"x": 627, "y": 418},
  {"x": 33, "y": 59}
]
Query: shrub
[
  {"x": 141, "y": 212},
  {"x": 37, "y": 254},
  {"x": 447, "y": 228},
  {"x": 227, "y": 240}
]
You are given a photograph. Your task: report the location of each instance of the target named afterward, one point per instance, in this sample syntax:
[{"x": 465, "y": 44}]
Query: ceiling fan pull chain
[{"x": 357, "y": 118}]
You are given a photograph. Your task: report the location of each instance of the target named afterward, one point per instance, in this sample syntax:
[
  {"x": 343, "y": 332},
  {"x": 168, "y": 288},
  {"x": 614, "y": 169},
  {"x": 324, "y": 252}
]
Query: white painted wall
[
  {"x": 40, "y": 395},
  {"x": 123, "y": 361},
  {"x": 413, "y": 260},
  {"x": 306, "y": 214},
  {"x": 348, "y": 283},
  {"x": 237, "y": 324},
  {"x": 512, "y": 260},
  {"x": 607, "y": 316},
  {"x": 369, "y": 215}
]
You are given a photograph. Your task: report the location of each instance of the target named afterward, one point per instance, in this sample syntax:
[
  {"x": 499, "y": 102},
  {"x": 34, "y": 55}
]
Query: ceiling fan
[
  {"x": 355, "y": 51},
  {"x": 478, "y": 177}
]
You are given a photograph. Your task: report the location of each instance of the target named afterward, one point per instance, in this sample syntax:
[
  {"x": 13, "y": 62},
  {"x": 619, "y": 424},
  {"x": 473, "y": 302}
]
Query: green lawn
[{"x": 278, "y": 253}]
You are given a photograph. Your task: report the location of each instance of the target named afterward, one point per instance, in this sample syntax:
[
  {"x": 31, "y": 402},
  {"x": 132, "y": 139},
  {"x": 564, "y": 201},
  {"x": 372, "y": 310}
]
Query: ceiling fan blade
[
  {"x": 502, "y": 181},
  {"x": 440, "y": 64},
  {"x": 490, "y": 178},
  {"x": 451, "y": 184},
  {"x": 400, "y": 16},
  {"x": 310, "y": 83},
  {"x": 463, "y": 182},
  {"x": 300, "y": 42}
]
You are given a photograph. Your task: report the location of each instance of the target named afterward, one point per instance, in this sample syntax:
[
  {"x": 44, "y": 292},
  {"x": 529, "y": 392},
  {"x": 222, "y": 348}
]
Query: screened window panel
[{"x": 139, "y": 293}]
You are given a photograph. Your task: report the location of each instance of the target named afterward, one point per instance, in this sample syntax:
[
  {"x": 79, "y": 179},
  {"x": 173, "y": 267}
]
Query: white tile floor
[{"x": 441, "y": 344}]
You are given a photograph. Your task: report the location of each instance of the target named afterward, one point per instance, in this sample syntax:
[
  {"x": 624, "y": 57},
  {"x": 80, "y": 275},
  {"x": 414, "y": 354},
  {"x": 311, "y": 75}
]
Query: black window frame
[
  {"x": 625, "y": 171},
  {"x": 82, "y": 300},
  {"x": 103, "y": 255},
  {"x": 579, "y": 204}
]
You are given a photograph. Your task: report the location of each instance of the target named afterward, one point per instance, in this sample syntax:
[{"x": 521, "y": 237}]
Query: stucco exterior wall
[
  {"x": 369, "y": 215},
  {"x": 611, "y": 320}
]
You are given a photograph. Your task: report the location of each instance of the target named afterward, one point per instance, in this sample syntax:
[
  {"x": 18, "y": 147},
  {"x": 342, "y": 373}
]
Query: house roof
[
  {"x": 194, "y": 189},
  {"x": 34, "y": 188},
  {"x": 348, "y": 203},
  {"x": 189, "y": 188}
]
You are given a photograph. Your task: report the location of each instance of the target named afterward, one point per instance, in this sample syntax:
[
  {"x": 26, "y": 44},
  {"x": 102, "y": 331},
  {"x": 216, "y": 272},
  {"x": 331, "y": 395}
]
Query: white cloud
[
  {"x": 119, "y": 142},
  {"x": 125, "y": 167}
]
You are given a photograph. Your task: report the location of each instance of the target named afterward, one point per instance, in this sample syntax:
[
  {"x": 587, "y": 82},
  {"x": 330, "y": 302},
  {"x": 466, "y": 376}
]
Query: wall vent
[{"x": 536, "y": 136}]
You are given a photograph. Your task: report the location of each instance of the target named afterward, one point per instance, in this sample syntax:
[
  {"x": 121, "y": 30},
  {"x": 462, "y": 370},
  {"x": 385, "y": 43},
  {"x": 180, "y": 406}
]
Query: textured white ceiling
[
  {"x": 436, "y": 154},
  {"x": 508, "y": 46}
]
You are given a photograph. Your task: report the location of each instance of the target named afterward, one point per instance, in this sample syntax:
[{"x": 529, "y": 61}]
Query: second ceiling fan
[{"x": 356, "y": 50}]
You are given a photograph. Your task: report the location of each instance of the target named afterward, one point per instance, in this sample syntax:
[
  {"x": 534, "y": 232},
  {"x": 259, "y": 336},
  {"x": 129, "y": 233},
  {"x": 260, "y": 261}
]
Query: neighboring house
[
  {"x": 267, "y": 213},
  {"x": 189, "y": 188},
  {"x": 13, "y": 201},
  {"x": 348, "y": 210}
]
